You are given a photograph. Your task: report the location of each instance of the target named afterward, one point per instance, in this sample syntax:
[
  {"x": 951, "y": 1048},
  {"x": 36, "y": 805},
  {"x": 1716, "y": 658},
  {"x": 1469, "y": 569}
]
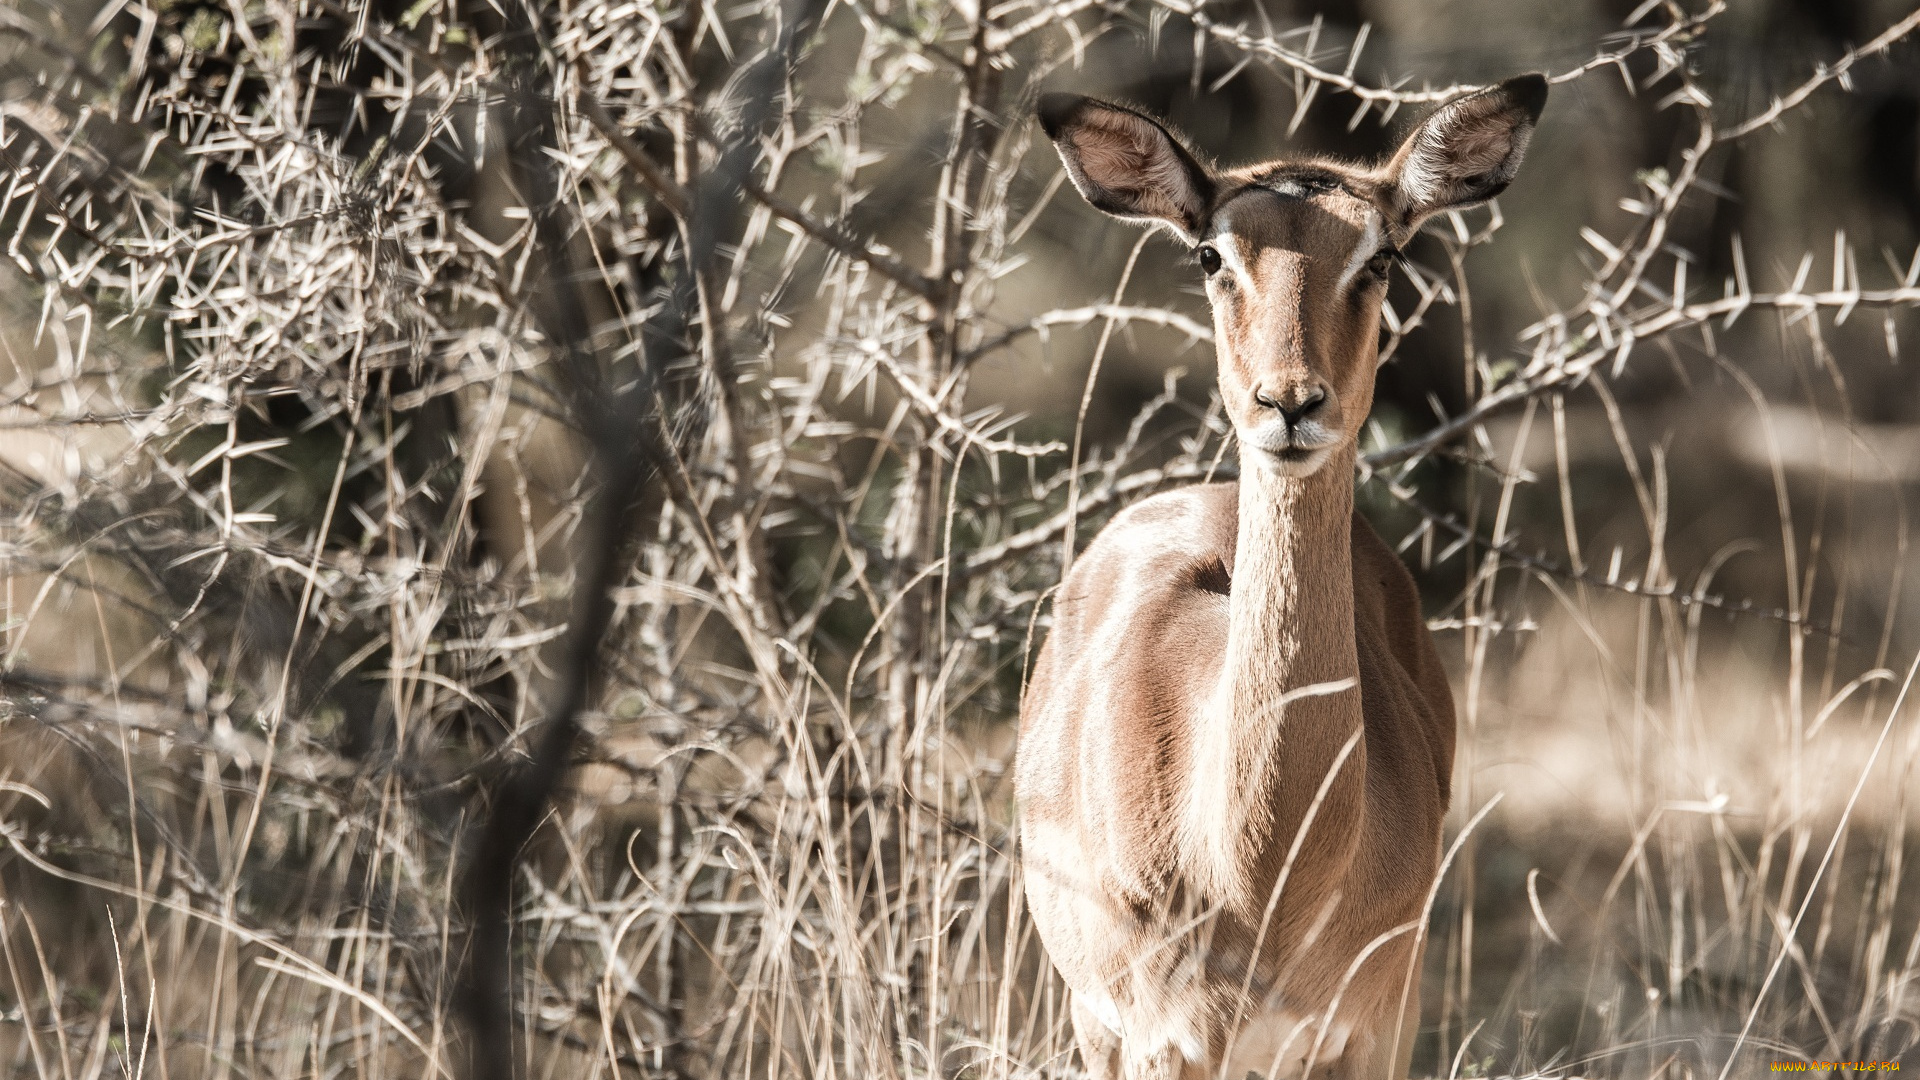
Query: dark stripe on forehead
[
  {"x": 1287, "y": 182},
  {"x": 1303, "y": 181}
]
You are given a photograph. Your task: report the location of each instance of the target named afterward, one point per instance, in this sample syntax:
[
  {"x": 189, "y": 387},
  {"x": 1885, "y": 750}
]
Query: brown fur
[{"x": 1237, "y": 742}]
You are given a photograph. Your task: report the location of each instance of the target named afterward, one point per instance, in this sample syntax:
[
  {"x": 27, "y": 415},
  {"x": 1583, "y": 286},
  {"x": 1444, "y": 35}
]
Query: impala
[{"x": 1236, "y": 746}]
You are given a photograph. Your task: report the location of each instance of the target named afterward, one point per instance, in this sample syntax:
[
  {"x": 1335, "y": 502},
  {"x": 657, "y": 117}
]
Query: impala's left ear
[{"x": 1467, "y": 151}]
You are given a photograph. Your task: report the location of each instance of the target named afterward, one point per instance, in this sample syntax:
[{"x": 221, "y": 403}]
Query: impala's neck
[
  {"x": 1280, "y": 714},
  {"x": 1292, "y": 596}
]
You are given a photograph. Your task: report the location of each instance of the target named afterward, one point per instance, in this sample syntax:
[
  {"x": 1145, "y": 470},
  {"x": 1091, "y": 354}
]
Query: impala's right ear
[{"x": 1127, "y": 164}]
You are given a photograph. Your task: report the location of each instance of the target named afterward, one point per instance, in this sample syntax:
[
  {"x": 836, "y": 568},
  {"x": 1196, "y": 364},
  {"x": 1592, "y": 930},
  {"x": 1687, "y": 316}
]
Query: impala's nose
[{"x": 1293, "y": 408}]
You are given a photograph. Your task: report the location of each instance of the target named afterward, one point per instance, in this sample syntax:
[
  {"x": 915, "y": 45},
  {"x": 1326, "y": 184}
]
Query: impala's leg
[
  {"x": 1099, "y": 1044},
  {"x": 1163, "y": 1062},
  {"x": 1384, "y": 1058}
]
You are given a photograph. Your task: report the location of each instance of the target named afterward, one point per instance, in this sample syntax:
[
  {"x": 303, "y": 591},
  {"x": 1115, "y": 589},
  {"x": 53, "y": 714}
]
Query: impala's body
[{"x": 1237, "y": 741}]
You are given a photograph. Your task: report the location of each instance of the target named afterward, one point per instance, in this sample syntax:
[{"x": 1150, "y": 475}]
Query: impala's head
[{"x": 1295, "y": 253}]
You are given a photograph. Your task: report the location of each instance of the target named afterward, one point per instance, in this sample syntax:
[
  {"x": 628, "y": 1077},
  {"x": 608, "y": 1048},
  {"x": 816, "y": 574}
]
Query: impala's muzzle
[{"x": 1295, "y": 432}]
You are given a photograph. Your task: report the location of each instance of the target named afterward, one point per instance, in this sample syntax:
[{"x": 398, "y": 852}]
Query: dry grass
[{"x": 516, "y": 562}]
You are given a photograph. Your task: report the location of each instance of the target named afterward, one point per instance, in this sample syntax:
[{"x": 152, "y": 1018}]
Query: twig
[
  {"x": 1561, "y": 372},
  {"x": 1825, "y": 74},
  {"x": 1510, "y": 552},
  {"x": 1271, "y": 49},
  {"x": 1081, "y": 316},
  {"x": 677, "y": 200}
]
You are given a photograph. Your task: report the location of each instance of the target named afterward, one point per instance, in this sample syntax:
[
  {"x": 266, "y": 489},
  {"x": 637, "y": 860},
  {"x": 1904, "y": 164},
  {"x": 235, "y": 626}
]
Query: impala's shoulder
[
  {"x": 1151, "y": 554},
  {"x": 1200, "y": 518}
]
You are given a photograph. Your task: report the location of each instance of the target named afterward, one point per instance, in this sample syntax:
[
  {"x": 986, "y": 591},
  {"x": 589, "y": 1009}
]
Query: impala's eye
[
  {"x": 1382, "y": 262},
  {"x": 1209, "y": 260}
]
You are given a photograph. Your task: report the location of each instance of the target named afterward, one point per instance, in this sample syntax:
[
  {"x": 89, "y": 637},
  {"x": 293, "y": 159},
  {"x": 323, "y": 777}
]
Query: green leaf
[
  {"x": 202, "y": 31},
  {"x": 417, "y": 12}
]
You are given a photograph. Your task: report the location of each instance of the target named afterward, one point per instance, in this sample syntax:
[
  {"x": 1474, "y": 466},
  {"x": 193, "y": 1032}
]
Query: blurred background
[{"x": 523, "y": 526}]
